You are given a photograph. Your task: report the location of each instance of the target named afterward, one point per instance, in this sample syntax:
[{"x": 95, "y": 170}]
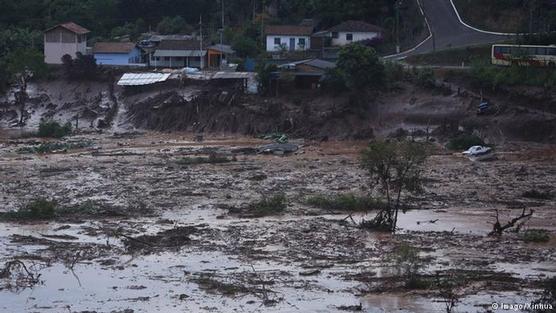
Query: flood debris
[
  {"x": 16, "y": 275},
  {"x": 171, "y": 238},
  {"x": 213, "y": 158},
  {"x": 278, "y": 148},
  {"x": 516, "y": 222}
]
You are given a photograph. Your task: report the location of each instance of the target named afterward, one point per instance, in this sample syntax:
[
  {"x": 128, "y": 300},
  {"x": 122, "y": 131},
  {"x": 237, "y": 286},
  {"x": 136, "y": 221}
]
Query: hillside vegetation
[{"x": 513, "y": 16}]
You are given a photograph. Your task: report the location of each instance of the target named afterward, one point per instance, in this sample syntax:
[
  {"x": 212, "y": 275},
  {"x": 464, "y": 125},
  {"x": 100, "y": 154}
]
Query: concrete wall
[
  {"x": 285, "y": 41},
  {"x": 53, "y": 51},
  {"x": 133, "y": 57},
  {"x": 342, "y": 41}
]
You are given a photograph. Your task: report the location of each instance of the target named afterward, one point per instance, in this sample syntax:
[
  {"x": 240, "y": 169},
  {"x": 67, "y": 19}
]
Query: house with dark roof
[
  {"x": 68, "y": 38},
  {"x": 353, "y": 31},
  {"x": 288, "y": 38},
  {"x": 117, "y": 53},
  {"x": 179, "y": 53},
  {"x": 308, "y": 73}
]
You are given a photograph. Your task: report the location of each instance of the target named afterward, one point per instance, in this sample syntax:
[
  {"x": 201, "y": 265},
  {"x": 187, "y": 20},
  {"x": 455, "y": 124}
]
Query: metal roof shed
[{"x": 142, "y": 79}]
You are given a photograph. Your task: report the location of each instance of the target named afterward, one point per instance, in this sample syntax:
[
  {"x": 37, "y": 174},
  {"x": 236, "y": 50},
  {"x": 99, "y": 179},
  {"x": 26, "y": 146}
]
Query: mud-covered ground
[{"x": 140, "y": 228}]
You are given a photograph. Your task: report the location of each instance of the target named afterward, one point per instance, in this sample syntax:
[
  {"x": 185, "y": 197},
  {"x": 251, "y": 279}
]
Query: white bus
[{"x": 524, "y": 55}]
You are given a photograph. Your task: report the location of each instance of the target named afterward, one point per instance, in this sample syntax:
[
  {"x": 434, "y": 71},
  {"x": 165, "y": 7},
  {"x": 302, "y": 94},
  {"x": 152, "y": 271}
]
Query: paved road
[{"x": 447, "y": 30}]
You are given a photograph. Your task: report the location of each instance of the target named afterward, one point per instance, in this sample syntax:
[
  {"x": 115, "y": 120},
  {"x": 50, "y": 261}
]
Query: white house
[
  {"x": 354, "y": 31},
  {"x": 288, "y": 38},
  {"x": 68, "y": 38},
  {"x": 179, "y": 53}
]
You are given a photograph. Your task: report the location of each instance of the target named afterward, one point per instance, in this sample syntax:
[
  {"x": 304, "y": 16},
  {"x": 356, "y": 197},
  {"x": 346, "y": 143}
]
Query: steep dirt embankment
[
  {"x": 92, "y": 103},
  {"x": 231, "y": 112},
  {"x": 211, "y": 108}
]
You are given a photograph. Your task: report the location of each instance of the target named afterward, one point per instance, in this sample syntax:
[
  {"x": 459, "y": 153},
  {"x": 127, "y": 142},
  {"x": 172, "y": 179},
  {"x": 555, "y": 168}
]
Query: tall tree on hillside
[{"x": 360, "y": 67}]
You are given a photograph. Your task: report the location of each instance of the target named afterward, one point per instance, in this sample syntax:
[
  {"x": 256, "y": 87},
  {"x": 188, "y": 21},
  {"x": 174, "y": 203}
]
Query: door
[{"x": 292, "y": 44}]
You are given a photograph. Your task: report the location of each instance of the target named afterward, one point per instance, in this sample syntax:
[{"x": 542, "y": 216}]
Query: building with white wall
[
  {"x": 68, "y": 38},
  {"x": 288, "y": 38},
  {"x": 353, "y": 31}
]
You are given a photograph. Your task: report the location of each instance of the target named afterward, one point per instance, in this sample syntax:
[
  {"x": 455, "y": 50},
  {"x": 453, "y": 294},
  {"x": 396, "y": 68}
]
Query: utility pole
[
  {"x": 397, "y": 7},
  {"x": 531, "y": 8},
  {"x": 222, "y": 36},
  {"x": 262, "y": 21},
  {"x": 201, "y": 41}
]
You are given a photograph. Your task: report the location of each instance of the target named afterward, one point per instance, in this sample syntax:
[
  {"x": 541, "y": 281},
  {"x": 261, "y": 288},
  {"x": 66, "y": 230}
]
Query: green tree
[
  {"x": 83, "y": 67},
  {"x": 264, "y": 77},
  {"x": 393, "y": 167},
  {"x": 245, "y": 47},
  {"x": 173, "y": 25},
  {"x": 360, "y": 67},
  {"x": 22, "y": 65}
]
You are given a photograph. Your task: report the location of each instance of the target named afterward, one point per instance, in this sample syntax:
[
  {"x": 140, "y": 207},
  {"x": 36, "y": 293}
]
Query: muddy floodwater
[{"x": 152, "y": 227}]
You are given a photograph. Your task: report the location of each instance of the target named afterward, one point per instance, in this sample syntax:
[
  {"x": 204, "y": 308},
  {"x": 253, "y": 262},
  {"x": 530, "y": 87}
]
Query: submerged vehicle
[{"x": 479, "y": 153}]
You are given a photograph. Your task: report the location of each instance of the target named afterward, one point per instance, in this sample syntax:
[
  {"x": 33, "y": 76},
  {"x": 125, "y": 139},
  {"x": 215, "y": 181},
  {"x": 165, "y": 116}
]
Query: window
[
  {"x": 501, "y": 50},
  {"x": 551, "y": 51},
  {"x": 53, "y": 36},
  {"x": 277, "y": 41},
  {"x": 68, "y": 37},
  {"x": 349, "y": 37},
  {"x": 166, "y": 58},
  {"x": 541, "y": 51},
  {"x": 335, "y": 35},
  {"x": 302, "y": 42}
]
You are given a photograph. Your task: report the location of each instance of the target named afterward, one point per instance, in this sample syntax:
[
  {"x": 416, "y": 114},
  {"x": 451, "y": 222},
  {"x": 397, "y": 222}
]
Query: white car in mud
[{"x": 478, "y": 153}]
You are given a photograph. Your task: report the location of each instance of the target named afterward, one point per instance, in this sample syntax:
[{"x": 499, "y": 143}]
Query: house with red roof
[{"x": 68, "y": 38}]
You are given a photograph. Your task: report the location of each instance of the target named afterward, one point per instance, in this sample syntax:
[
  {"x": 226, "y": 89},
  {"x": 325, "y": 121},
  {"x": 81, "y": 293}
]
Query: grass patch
[
  {"x": 53, "y": 129},
  {"x": 38, "y": 209},
  {"x": 211, "y": 159},
  {"x": 453, "y": 57},
  {"x": 49, "y": 147},
  {"x": 344, "y": 202},
  {"x": 464, "y": 142},
  {"x": 536, "y": 235},
  {"x": 43, "y": 209},
  {"x": 487, "y": 75},
  {"x": 272, "y": 205},
  {"x": 535, "y": 194}
]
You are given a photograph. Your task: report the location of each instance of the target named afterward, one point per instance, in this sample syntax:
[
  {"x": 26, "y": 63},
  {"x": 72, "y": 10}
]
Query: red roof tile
[
  {"x": 72, "y": 27},
  {"x": 292, "y": 30}
]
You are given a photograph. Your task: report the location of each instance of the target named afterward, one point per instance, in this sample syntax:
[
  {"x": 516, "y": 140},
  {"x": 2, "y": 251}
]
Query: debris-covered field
[{"x": 145, "y": 222}]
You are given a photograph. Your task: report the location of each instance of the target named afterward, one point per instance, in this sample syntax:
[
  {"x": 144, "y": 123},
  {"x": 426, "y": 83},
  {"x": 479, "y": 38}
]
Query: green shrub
[
  {"x": 53, "y": 129},
  {"x": 344, "y": 202},
  {"x": 535, "y": 235},
  {"x": 424, "y": 77},
  {"x": 407, "y": 264},
  {"x": 38, "y": 209},
  {"x": 274, "y": 204},
  {"x": 464, "y": 142}
]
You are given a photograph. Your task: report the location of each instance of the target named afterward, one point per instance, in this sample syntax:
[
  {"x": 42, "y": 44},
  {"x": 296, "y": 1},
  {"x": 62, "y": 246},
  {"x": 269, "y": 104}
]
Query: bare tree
[{"x": 393, "y": 166}]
